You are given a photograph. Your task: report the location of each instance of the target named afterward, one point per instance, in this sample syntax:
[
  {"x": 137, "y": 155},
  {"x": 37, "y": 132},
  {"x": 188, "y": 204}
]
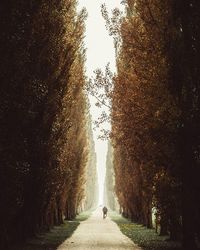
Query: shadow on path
[{"x": 53, "y": 239}]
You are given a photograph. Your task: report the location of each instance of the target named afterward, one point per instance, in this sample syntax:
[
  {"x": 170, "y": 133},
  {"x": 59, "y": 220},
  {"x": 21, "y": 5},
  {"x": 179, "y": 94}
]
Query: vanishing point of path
[{"x": 97, "y": 233}]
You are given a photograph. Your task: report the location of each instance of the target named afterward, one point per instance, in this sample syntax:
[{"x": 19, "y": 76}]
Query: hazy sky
[{"x": 100, "y": 51}]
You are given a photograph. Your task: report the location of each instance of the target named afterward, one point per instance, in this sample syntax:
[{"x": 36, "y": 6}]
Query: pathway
[{"x": 97, "y": 233}]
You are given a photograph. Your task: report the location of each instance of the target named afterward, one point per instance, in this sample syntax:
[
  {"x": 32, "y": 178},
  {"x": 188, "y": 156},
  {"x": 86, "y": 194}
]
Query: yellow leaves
[{"x": 144, "y": 114}]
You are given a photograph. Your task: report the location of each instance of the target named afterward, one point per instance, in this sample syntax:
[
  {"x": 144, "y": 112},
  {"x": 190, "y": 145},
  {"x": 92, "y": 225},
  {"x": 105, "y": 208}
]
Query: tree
[
  {"x": 110, "y": 199},
  {"x": 145, "y": 114},
  {"x": 43, "y": 110},
  {"x": 155, "y": 113}
]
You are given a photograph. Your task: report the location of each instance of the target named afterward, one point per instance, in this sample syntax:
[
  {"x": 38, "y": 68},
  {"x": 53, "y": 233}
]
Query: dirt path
[{"x": 98, "y": 234}]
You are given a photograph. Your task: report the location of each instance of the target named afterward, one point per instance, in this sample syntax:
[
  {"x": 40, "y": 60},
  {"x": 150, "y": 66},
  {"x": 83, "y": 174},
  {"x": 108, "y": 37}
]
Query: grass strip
[
  {"x": 56, "y": 236},
  {"x": 146, "y": 238}
]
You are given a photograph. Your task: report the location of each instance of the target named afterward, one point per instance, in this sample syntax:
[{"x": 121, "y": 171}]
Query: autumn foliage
[
  {"x": 155, "y": 114},
  {"x": 44, "y": 131},
  {"x": 110, "y": 198}
]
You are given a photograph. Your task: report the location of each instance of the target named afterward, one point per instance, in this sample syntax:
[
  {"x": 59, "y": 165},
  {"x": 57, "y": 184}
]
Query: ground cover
[
  {"x": 148, "y": 239},
  {"x": 56, "y": 236}
]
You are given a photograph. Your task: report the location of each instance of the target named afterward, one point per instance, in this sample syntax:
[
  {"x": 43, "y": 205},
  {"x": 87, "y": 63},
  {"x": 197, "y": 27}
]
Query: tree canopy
[
  {"x": 44, "y": 138},
  {"x": 155, "y": 114}
]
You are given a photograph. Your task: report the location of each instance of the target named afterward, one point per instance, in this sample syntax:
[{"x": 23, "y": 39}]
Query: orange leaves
[{"x": 144, "y": 114}]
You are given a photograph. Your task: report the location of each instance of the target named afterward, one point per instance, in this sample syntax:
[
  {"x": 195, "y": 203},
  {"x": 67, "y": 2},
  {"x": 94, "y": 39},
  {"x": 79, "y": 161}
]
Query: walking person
[{"x": 105, "y": 211}]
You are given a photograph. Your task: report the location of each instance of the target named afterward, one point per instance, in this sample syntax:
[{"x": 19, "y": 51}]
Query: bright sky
[{"x": 100, "y": 51}]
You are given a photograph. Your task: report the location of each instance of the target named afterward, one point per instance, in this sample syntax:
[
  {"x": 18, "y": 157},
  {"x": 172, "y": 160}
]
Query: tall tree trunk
[{"x": 163, "y": 225}]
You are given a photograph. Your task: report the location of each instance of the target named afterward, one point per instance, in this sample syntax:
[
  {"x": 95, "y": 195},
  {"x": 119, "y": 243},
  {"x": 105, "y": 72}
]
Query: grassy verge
[
  {"x": 51, "y": 240},
  {"x": 147, "y": 239}
]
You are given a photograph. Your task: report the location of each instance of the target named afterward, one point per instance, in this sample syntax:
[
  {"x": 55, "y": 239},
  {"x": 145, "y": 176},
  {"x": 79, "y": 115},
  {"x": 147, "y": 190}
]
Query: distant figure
[{"x": 105, "y": 211}]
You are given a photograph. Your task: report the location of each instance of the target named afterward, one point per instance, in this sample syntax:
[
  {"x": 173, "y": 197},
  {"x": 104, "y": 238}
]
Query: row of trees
[
  {"x": 110, "y": 198},
  {"x": 44, "y": 142},
  {"x": 147, "y": 117},
  {"x": 91, "y": 185},
  {"x": 155, "y": 113}
]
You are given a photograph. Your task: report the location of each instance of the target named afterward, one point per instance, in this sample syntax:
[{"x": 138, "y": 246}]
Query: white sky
[{"x": 100, "y": 51}]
